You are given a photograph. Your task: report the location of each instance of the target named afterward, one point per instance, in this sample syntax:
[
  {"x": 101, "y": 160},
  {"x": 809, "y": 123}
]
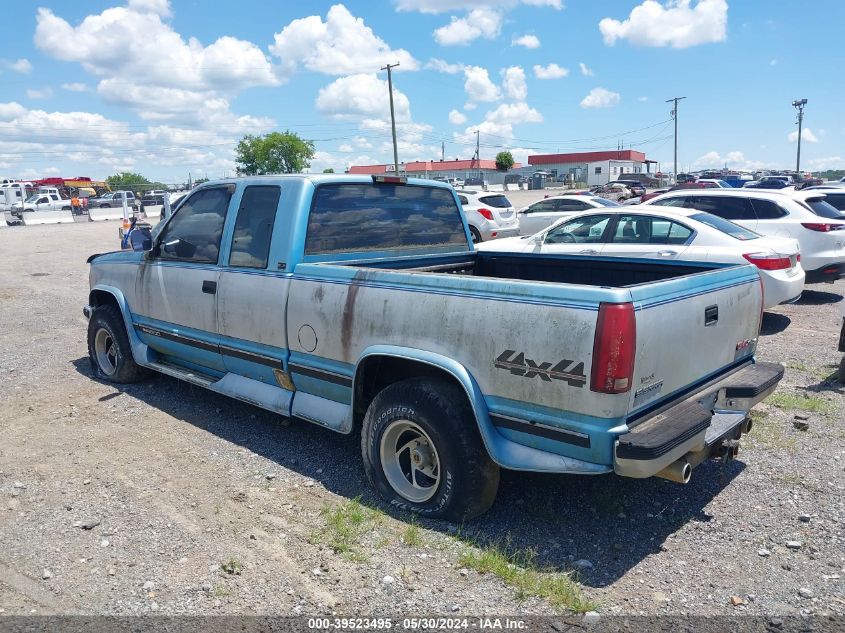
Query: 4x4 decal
[{"x": 569, "y": 371}]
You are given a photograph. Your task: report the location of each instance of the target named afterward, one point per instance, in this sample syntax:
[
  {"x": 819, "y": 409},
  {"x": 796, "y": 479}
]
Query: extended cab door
[
  {"x": 177, "y": 282},
  {"x": 253, "y": 289}
]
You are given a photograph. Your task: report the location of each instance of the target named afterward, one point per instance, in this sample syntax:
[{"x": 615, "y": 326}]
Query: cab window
[
  {"x": 254, "y": 227},
  {"x": 193, "y": 233}
]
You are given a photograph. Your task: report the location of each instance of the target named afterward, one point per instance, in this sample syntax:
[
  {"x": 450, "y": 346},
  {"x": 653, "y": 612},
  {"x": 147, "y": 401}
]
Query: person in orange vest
[{"x": 74, "y": 204}]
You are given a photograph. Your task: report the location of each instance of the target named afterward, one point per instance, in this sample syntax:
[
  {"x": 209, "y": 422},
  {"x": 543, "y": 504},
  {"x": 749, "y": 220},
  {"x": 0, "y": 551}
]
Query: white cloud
[
  {"x": 456, "y": 117},
  {"x": 642, "y": 99},
  {"x": 133, "y": 46},
  {"x": 587, "y": 72},
  {"x": 478, "y": 85},
  {"x": 552, "y": 71},
  {"x": 341, "y": 45},
  {"x": 75, "y": 87},
  {"x": 22, "y": 65},
  {"x": 443, "y": 66},
  {"x": 826, "y": 162},
  {"x": 807, "y": 136},
  {"x": 600, "y": 98},
  {"x": 514, "y": 83},
  {"x": 346, "y": 148},
  {"x": 677, "y": 24},
  {"x": 514, "y": 113},
  {"x": 469, "y": 106},
  {"x": 528, "y": 41},
  {"x": 734, "y": 160},
  {"x": 482, "y": 22},
  {"x": 39, "y": 93},
  {"x": 362, "y": 95},
  {"x": 441, "y": 6}
]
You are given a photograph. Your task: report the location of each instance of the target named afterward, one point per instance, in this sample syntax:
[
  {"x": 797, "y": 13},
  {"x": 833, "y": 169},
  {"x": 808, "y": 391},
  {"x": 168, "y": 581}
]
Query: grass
[
  {"x": 232, "y": 566},
  {"x": 346, "y": 524},
  {"x": 770, "y": 433},
  {"x": 820, "y": 373},
  {"x": 797, "y": 402},
  {"x": 412, "y": 534},
  {"x": 519, "y": 570}
]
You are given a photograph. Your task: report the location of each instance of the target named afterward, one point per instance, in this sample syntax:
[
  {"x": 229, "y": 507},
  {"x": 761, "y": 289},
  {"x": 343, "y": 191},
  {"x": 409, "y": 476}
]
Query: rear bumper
[
  {"x": 497, "y": 233},
  {"x": 829, "y": 272},
  {"x": 695, "y": 425}
]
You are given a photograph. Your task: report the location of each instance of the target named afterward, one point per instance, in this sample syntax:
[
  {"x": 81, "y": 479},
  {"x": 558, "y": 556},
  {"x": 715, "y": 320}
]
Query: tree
[
  {"x": 328, "y": 170},
  {"x": 504, "y": 161},
  {"x": 127, "y": 180},
  {"x": 274, "y": 153}
]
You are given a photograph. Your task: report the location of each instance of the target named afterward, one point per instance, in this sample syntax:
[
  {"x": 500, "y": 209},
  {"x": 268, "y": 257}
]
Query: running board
[{"x": 182, "y": 373}]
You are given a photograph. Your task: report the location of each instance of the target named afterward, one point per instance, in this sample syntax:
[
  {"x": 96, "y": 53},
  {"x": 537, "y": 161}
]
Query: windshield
[
  {"x": 725, "y": 226},
  {"x": 823, "y": 209},
  {"x": 606, "y": 203},
  {"x": 723, "y": 184},
  {"x": 500, "y": 202}
]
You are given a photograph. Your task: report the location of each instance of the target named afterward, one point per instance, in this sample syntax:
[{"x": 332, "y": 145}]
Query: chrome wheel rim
[
  {"x": 106, "y": 350},
  {"x": 410, "y": 461}
]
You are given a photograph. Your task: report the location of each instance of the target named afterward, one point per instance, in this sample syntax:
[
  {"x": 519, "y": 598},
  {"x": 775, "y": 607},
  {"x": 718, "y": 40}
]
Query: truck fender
[
  {"x": 140, "y": 350},
  {"x": 504, "y": 452}
]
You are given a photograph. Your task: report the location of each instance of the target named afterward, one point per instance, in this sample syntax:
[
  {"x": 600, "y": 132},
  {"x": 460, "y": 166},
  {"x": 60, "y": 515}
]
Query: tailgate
[{"x": 692, "y": 328}]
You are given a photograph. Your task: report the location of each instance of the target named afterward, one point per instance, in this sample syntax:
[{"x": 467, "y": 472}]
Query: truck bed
[{"x": 610, "y": 272}]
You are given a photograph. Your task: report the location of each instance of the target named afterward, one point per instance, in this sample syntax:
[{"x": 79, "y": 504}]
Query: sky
[{"x": 166, "y": 88}]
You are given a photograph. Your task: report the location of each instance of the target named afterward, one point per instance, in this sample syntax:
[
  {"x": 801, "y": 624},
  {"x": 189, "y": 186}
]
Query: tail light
[
  {"x": 822, "y": 227},
  {"x": 614, "y": 348},
  {"x": 768, "y": 262},
  {"x": 486, "y": 213}
]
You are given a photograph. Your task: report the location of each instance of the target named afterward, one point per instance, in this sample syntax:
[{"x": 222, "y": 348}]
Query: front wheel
[
  {"x": 423, "y": 453},
  {"x": 109, "y": 349}
]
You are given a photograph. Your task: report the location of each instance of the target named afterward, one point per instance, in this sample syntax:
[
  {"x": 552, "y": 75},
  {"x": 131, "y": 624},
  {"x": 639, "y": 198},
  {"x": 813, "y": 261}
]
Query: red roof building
[
  {"x": 433, "y": 167},
  {"x": 586, "y": 157}
]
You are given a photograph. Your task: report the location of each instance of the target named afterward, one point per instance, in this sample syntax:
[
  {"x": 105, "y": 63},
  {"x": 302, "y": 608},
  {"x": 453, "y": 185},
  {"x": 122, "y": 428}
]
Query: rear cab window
[{"x": 361, "y": 217}]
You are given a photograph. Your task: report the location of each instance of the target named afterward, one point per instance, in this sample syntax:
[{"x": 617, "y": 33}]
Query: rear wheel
[
  {"x": 475, "y": 235},
  {"x": 109, "y": 349},
  {"x": 423, "y": 453},
  {"x": 842, "y": 370}
]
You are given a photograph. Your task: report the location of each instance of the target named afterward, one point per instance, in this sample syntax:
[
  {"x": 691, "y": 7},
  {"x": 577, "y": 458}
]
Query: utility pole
[
  {"x": 442, "y": 151},
  {"x": 478, "y": 152},
  {"x": 388, "y": 68},
  {"x": 799, "y": 104},
  {"x": 675, "y": 116}
]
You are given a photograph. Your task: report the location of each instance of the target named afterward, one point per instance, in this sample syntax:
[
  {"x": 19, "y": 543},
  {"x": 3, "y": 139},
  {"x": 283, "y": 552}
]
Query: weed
[
  {"x": 797, "y": 402},
  {"x": 346, "y": 524},
  {"x": 412, "y": 534},
  {"x": 219, "y": 592},
  {"x": 770, "y": 434},
  {"x": 519, "y": 570},
  {"x": 232, "y": 566}
]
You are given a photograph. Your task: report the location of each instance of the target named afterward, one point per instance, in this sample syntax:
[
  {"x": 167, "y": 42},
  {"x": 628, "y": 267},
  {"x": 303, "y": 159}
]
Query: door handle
[
  {"x": 667, "y": 253},
  {"x": 209, "y": 287}
]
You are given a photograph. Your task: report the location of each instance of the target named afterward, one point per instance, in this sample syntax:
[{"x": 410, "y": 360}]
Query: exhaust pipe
[
  {"x": 678, "y": 471},
  {"x": 729, "y": 450},
  {"x": 747, "y": 425}
]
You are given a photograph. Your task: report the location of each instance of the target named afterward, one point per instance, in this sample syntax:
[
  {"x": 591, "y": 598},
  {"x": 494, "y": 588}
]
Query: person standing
[{"x": 74, "y": 204}]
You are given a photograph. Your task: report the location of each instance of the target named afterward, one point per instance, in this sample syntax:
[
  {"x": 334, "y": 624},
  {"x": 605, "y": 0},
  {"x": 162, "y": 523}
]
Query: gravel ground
[{"x": 161, "y": 497}]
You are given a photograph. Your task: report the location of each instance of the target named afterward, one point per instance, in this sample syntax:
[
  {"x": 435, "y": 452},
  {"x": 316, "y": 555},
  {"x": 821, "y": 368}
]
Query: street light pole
[
  {"x": 799, "y": 104},
  {"x": 388, "y": 68},
  {"x": 675, "y": 116}
]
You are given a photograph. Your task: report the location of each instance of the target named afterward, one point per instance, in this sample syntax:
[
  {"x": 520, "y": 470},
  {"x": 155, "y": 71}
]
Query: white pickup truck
[
  {"x": 42, "y": 202},
  {"x": 360, "y": 304}
]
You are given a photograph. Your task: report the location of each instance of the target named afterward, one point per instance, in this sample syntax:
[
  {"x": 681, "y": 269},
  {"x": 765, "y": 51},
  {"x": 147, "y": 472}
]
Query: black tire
[
  {"x": 108, "y": 320},
  {"x": 841, "y": 373},
  {"x": 66, "y": 209},
  {"x": 468, "y": 478},
  {"x": 475, "y": 235},
  {"x": 105, "y": 206}
]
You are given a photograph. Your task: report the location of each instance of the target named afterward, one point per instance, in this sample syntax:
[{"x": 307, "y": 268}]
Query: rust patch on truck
[{"x": 347, "y": 318}]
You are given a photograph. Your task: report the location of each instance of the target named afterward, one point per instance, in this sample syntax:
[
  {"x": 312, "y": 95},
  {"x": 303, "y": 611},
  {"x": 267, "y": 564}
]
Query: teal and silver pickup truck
[{"x": 359, "y": 304}]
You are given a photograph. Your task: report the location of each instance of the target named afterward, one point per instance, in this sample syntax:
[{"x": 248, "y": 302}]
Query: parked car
[
  {"x": 153, "y": 197},
  {"x": 842, "y": 348},
  {"x": 682, "y": 178},
  {"x": 685, "y": 185},
  {"x": 717, "y": 182},
  {"x": 636, "y": 188},
  {"x": 769, "y": 182},
  {"x": 669, "y": 233},
  {"x": 834, "y": 196},
  {"x": 542, "y": 214},
  {"x": 384, "y": 320},
  {"x": 113, "y": 199},
  {"x": 805, "y": 216},
  {"x": 490, "y": 215},
  {"x": 41, "y": 202},
  {"x": 614, "y": 192}
]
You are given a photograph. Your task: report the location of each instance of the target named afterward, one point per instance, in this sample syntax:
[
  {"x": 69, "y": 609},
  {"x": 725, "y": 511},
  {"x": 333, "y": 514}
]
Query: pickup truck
[
  {"x": 359, "y": 304},
  {"x": 113, "y": 199},
  {"x": 41, "y": 202}
]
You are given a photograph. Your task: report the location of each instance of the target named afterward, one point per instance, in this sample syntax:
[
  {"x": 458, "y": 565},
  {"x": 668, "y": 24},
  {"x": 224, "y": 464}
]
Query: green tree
[
  {"x": 328, "y": 170},
  {"x": 131, "y": 181},
  {"x": 274, "y": 153},
  {"x": 504, "y": 161}
]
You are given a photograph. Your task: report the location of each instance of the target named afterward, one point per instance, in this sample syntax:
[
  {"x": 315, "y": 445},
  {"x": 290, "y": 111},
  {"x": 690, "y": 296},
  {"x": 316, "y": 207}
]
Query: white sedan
[
  {"x": 669, "y": 234},
  {"x": 547, "y": 211}
]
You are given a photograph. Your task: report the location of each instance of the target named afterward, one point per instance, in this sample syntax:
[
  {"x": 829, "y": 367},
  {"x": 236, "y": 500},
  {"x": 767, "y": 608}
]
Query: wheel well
[
  {"x": 102, "y": 298},
  {"x": 377, "y": 372}
]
